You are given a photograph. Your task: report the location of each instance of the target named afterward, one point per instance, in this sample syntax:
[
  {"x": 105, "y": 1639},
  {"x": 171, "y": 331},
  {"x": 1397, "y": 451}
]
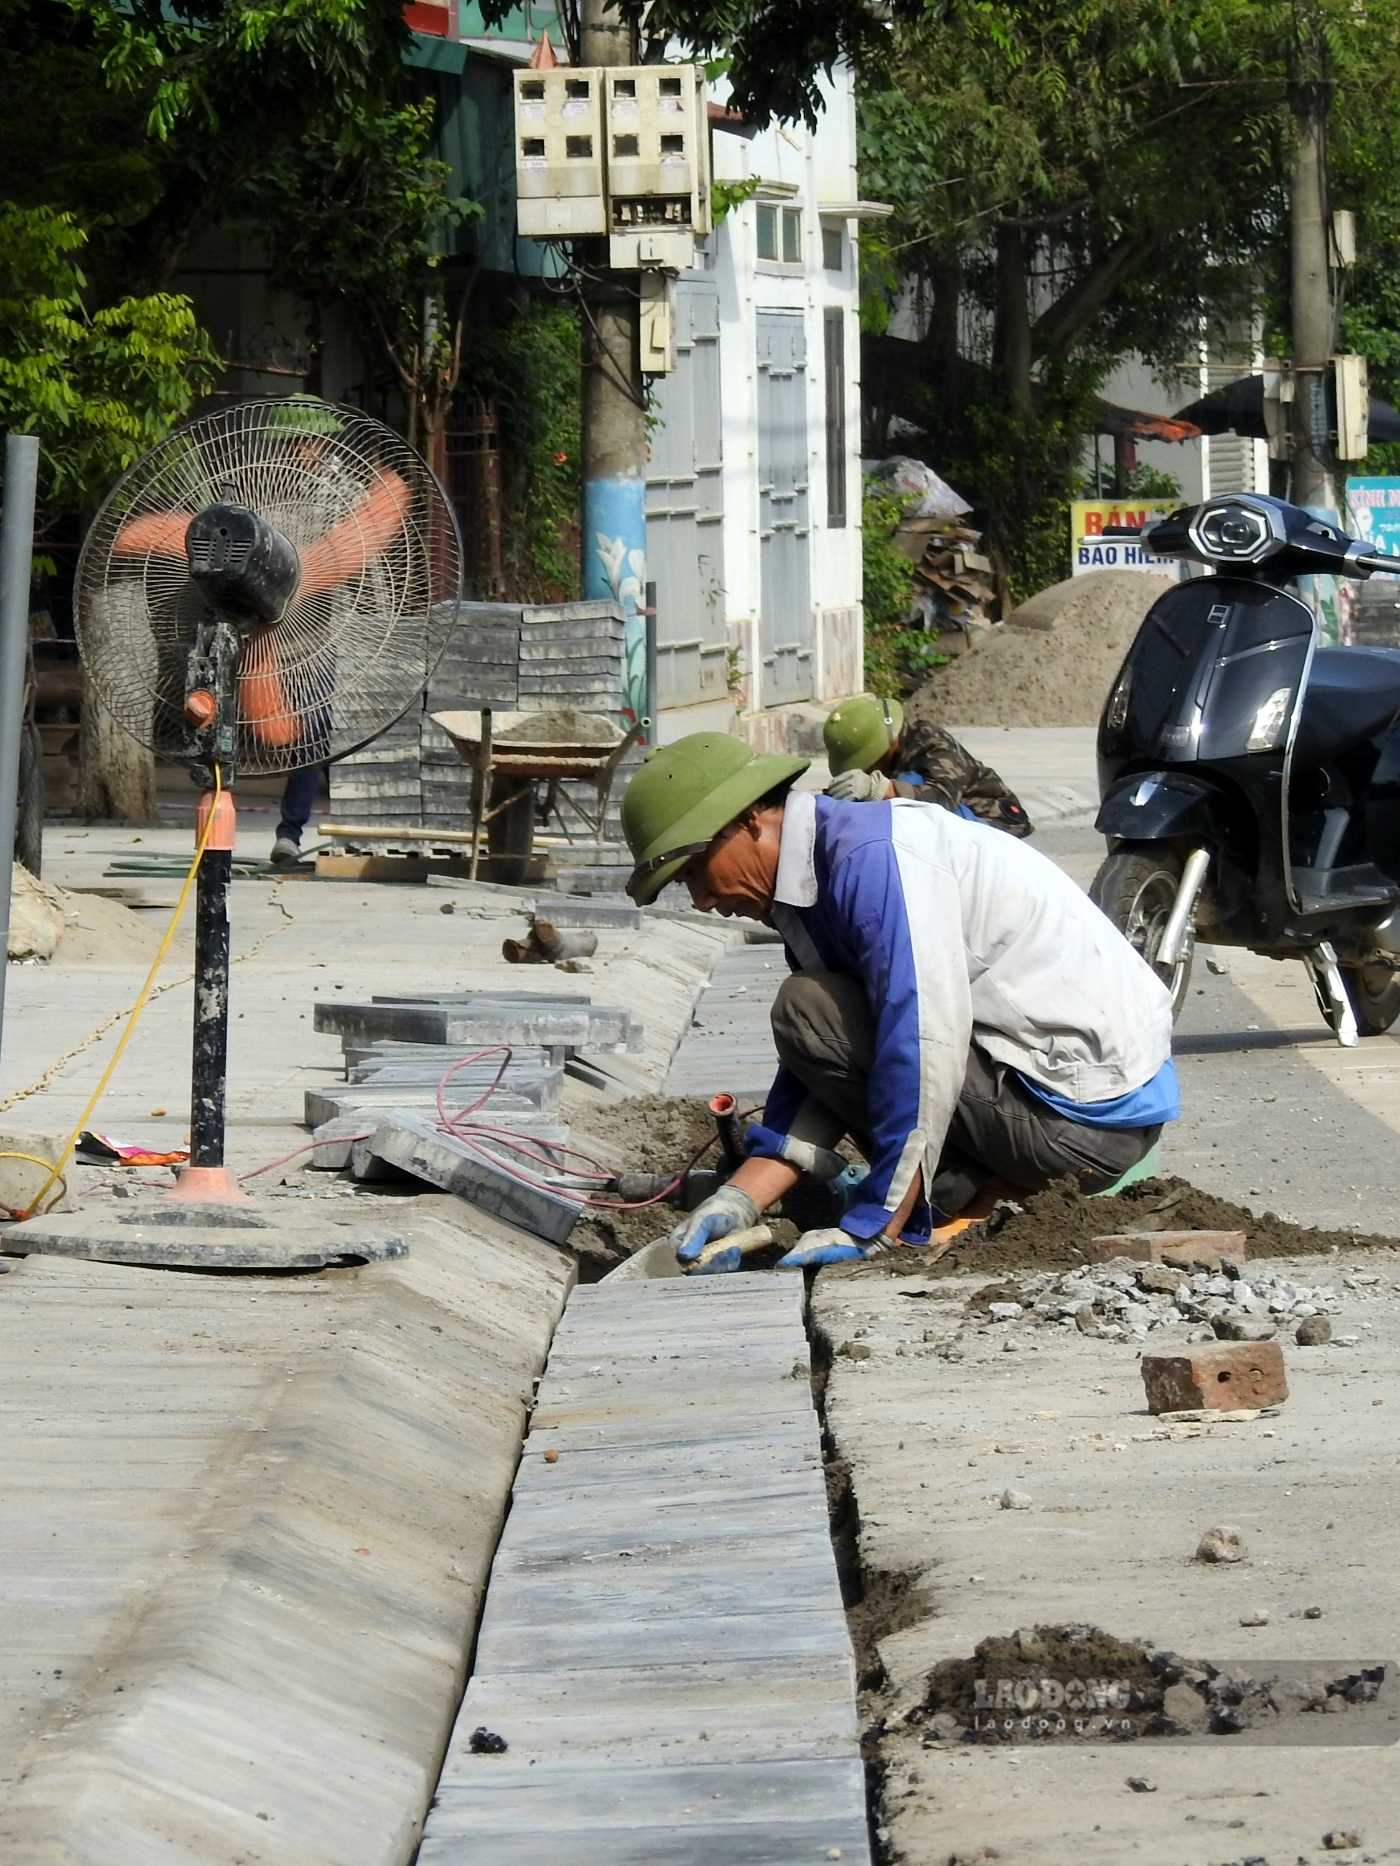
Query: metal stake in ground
[{"x": 206, "y": 1175}]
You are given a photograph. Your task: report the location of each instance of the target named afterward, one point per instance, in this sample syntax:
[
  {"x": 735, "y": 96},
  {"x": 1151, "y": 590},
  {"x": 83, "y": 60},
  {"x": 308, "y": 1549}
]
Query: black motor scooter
[{"x": 1250, "y": 779}]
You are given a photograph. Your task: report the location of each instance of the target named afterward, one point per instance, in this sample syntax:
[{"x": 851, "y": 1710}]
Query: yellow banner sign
[{"x": 1091, "y": 549}]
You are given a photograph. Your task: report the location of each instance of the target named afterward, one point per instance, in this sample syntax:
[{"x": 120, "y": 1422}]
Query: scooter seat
[{"x": 1352, "y": 694}]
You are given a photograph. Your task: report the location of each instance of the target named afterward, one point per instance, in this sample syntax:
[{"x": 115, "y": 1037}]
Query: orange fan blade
[
  {"x": 155, "y": 534},
  {"x": 262, "y": 703},
  {"x": 349, "y": 547}
]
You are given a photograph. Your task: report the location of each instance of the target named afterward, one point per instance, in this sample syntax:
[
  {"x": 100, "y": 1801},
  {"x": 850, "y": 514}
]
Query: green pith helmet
[
  {"x": 685, "y": 794},
  {"x": 305, "y": 414},
  {"x": 860, "y": 731}
]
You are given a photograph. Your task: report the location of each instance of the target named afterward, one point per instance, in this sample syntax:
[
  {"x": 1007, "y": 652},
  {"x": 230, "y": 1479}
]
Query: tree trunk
[
  {"x": 116, "y": 773},
  {"x": 945, "y": 277},
  {"x": 1013, "y": 350},
  {"x": 116, "y": 776}
]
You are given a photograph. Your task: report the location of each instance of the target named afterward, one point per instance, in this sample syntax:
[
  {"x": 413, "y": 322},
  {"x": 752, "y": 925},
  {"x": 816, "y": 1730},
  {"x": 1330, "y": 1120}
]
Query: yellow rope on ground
[
  {"x": 141, "y": 997},
  {"x": 34, "y": 1160}
]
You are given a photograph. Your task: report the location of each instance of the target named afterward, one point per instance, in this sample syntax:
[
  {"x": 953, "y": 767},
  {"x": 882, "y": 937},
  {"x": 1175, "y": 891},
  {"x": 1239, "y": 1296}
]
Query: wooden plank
[{"x": 387, "y": 867}]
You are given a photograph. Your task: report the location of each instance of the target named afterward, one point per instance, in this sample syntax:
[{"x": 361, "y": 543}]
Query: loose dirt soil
[{"x": 1054, "y": 1229}]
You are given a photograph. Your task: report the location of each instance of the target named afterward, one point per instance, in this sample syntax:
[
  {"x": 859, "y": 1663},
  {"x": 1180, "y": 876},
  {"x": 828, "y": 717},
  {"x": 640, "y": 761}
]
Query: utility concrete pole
[
  {"x": 16, "y": 553},
  {"x": 614, "y": 540},
  {"x": 1313, "y": 483}
]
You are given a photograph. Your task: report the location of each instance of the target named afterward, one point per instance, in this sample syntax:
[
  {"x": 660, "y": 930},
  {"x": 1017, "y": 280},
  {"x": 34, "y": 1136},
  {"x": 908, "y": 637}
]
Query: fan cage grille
[{"x": 352, "y": 651}]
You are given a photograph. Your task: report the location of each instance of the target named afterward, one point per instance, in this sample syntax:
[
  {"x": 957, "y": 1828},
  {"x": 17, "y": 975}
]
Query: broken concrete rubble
[{"x": 1127, "y": 1299}]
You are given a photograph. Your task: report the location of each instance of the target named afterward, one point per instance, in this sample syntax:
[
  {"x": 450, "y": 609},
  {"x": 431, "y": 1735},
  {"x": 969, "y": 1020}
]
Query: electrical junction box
[
  {"x": 657, "y": 326},
  {"x": 658, "y": 180},
  {"x": 559, "y": 153},
  {"x": 1353, "y": 407}
]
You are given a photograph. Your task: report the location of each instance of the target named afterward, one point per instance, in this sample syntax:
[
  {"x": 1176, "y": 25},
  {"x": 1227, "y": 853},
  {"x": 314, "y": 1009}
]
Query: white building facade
[{"x": 753, "y": 480}]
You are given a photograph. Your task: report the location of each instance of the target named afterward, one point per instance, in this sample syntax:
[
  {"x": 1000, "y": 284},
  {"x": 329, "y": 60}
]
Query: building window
[
  {"x": 780, "y": 234},
  {"x": 833, "y": 249},
  {"x": 834, "y": 333}
]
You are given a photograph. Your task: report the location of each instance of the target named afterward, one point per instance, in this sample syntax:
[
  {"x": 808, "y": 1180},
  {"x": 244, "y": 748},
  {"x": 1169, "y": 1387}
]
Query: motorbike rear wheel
[
  {"x": 1374, "y": 991},
  {"x": 1136, "y": 887}
]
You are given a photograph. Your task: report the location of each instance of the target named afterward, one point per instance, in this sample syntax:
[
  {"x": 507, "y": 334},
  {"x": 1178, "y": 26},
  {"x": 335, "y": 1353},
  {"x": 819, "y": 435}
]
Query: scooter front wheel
[
  {"x": 1374, "y": 991},
  {"x": 1137, "y": 887}
]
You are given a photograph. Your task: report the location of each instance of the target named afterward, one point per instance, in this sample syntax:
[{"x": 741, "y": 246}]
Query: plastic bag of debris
[{"x": 923, "y": 493}]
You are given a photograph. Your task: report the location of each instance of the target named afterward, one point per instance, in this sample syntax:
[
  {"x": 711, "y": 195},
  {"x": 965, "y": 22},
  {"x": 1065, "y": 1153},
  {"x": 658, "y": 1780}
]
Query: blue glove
[
  {"x": 829, "y": 1246},
  {"x": 729, "y": 1209}
]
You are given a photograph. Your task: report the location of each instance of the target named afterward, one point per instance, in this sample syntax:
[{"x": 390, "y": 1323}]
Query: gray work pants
[{"x": 825, "y": 1033}]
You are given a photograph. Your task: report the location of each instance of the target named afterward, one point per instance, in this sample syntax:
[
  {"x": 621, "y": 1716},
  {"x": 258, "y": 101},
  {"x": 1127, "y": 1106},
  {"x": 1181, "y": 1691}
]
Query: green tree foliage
[
  {"x": 97, "y": 387},
  {"x": 530, "y": 366},
  {"x": 896, "y": 656},
  {"x": 144, "y": 116},
  {"x": 362, "y": 218},
  {"x": 1071, "y": 184}
]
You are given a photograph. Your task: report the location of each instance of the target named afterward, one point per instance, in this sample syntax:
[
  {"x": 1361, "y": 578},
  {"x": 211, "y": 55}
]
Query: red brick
[
  {"x": 1221, "y": 1374},
  {"x": 1180, "y": 1248}
]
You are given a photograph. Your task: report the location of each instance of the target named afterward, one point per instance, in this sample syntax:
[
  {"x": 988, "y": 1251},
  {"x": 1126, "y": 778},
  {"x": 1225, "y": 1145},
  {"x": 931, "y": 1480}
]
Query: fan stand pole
[{"x": 206, "y": 1178}]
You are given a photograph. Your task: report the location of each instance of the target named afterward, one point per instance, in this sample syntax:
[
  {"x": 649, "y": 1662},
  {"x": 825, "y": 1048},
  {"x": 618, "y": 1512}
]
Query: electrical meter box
[
  {"x": 657, "y": 165},
  {"x": 1353, "y": 392},
  {"x": 559, "y": 153}
]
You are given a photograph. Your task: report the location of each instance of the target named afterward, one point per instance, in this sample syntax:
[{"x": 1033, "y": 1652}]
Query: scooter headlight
[
  {"x": 1270, "y": 721},
  {"x": 1116, "y": 712},
  {"x": 1235, "y": 531}
]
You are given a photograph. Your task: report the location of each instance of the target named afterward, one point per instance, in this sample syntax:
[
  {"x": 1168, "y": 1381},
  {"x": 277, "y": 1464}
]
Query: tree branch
[{"x": 1066, "y": 319}]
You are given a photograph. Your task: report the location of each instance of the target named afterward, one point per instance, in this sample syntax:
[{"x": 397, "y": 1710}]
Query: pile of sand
[
  {"x": 1054, "y": 660},
  {"x": 79, "y": 929},
  {"x": 103, "y": 932}
]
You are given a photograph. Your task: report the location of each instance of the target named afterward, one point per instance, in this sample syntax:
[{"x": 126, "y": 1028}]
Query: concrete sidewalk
[
  {"x": 246, "y": 1524},
  {"x": 295, "y": 941}
]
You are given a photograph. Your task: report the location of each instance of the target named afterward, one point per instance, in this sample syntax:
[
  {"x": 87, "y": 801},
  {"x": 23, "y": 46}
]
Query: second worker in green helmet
[{"x": 872, "y": 751}]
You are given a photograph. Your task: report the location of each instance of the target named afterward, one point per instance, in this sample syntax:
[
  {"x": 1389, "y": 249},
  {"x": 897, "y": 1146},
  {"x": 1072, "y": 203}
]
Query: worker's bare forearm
[
  {"x": 906, "y": 1206},
  {"x": 765, "y": 1181}
]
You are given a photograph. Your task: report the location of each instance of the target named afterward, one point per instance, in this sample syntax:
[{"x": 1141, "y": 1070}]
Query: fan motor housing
[{"x": 243, "y": 565}]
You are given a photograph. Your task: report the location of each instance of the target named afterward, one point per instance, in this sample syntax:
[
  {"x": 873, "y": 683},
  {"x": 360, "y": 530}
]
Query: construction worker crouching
[
  {"x": 872, "y": 753},
  {"x": 958, "y": 1006}
]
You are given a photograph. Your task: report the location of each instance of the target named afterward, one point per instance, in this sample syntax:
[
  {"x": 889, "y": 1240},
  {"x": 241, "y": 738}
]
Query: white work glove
[
  {"x": 730, "y": 1209},
  {"x": 857, "y": 786}
]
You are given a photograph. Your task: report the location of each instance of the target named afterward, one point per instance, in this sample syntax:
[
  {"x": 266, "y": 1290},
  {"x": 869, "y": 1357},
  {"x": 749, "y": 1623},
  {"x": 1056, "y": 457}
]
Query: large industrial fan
[{"x": 267, "y": 590}]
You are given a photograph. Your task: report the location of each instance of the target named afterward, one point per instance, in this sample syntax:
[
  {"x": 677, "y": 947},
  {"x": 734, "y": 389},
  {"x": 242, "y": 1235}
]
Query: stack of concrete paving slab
[
  {"x": 411, "y": 1060},
  {"x": 511, "y": 657}
]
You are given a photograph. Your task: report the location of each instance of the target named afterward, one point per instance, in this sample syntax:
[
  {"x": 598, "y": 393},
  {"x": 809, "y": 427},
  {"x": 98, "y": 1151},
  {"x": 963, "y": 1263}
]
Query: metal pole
[
  {"x": 16, "y": 552},
  {"x": 653, "y": 695},
  {"x": 211, "y": 975},
  {"x": 614, "y": 536}
]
